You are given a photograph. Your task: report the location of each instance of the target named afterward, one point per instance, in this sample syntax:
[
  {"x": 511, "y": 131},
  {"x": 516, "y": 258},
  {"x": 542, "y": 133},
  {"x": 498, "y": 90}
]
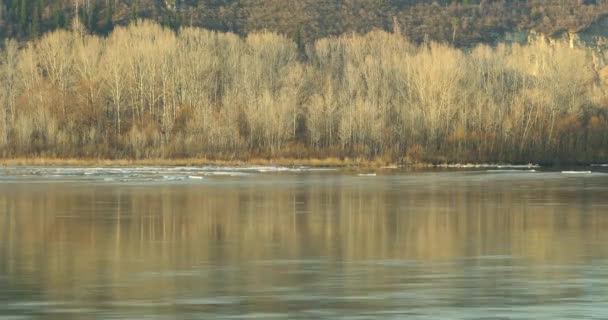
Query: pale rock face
[
  {"x": 520, "y": 37},
  {"x": 595, "y": 36},
  {"x": 170, "y": 4},
  {"x": 525, "y": 37}
]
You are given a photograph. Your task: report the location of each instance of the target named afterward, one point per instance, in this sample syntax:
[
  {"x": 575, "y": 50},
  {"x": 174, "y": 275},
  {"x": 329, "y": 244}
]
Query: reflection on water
[{"x": 474, "y": 245}]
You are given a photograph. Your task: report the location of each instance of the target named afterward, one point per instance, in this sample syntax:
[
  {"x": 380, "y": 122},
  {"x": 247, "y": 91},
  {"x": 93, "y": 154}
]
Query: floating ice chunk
[
  {"x": 509, "y": 171},
  {"x": 515, "y": 166},
  {"x": 497, "y": 166},
  {"x": 576, "y": 172},
  {"x": 173, "y": 178},
  {"x": 278, "y": 169},
  {"x": 227, "y": 173},
  {"x": 367, "y": 174},
  {"x": 149, "y": 173}
]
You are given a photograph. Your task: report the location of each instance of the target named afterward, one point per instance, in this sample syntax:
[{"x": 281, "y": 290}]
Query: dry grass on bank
[
  {"x": 326, "y": 162},
  {"x": 332, "y": 162}
]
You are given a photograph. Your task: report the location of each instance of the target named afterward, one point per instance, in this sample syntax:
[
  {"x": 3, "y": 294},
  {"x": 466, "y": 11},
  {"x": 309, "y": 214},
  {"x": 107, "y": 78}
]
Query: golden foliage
[{"x": 146, "y": 92}]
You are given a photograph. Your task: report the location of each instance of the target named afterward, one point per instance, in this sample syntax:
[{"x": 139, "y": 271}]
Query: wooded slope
[{"x": 462, "y": 22}]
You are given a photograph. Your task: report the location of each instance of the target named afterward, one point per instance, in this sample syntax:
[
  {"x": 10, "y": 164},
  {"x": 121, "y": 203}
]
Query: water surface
[{"x": 295, "y": 243}]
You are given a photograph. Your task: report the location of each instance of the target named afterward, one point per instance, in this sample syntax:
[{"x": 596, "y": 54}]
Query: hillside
[{"x": 463, "y": 22}]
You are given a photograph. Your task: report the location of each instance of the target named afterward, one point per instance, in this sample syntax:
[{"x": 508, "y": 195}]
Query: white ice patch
[
  {"x": 511, "y": 166},
  {"x": 495, "y": 166},
  {"x": 576, "y": 172},
  {"x": 510, "y": 171},
  {"x": 227, "y": 173},
  {"x": 173, "y": 178},
  {"x": 146, "y": 174},
  {"x": 279, "y": 169}
]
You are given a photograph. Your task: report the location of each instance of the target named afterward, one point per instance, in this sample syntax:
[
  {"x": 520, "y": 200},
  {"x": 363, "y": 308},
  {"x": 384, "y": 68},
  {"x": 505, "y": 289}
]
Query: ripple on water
[
  {"x": 68, "y": 310},
  {"x": 256, "y": 315},
  {"x": 391, "y": 263},
  {"x": 291, "y": 262},
  {"x": 140, "y": 304},
  {"x": 172, "y": 274},
  {"x": 33, "y": 305},
  {"x": 207, "y": 301}
]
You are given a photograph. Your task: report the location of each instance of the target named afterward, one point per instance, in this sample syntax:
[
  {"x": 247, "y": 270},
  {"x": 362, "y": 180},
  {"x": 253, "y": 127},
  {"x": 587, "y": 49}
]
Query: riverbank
[
  {"x": 411, "y": 103},
  {"x": 84, "y": 162},
  {"x": 287, "y": 162}
]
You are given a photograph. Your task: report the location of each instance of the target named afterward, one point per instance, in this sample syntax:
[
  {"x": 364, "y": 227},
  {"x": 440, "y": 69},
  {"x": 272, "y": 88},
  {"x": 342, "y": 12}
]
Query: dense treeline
[
  {"x": 147, "y": 92},
  {"x": 460, "y": 22}
]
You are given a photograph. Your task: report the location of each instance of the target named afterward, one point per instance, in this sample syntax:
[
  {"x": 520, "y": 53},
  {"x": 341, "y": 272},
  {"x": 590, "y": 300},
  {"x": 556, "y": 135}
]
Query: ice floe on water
[
  {"x": 510, "y": 170},
  {"x": 366, "y": 174},
  {"x": 513, "y": 166},
  {"x": 146, "y": 173},
  {"x": 228, "y": 173},
  {"x": 492, "y": 166},
  {"x": 577, "y": 172}
]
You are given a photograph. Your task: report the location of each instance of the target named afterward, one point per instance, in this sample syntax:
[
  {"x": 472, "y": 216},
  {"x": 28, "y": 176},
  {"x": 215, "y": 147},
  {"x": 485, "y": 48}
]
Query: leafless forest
[{"x": 149, "y": 92}]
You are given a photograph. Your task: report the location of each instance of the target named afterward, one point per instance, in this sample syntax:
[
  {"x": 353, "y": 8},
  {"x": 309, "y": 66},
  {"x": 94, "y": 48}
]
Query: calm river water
[{"x": 279, "y": 243}]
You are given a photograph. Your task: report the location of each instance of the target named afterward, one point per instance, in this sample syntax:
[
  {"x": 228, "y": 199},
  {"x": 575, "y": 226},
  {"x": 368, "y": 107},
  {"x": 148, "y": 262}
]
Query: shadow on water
[{"x": 474, "y": 245}]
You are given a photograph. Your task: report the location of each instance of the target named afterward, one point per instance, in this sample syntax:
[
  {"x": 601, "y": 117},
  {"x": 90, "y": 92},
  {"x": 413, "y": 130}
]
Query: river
[{"x": 301, "y": 243}]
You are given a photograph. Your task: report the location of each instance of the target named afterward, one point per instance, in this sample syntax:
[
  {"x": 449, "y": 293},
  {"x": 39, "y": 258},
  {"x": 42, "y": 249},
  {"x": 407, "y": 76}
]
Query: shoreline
[
  {"x": 87, "y": 162},
  {"x": 285, "y": 162}
]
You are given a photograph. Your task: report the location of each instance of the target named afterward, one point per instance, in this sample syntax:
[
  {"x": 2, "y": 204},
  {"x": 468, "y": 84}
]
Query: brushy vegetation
[
  {"x": 147, "y": 92},
  {"x": 460, "y": 22}
]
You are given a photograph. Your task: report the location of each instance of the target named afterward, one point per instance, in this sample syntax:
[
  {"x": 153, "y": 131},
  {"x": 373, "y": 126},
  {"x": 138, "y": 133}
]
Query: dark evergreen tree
[
  {"x": 58, "y": 17},
  {"x": 108, "y": 22},
  {"x": 23, "y": 17},
  {"x": 297, "y": 38},
  {"x": 35, "y": 29},
  {"x": 93, "y": 17},
  {"x": 14, "y": 11}
]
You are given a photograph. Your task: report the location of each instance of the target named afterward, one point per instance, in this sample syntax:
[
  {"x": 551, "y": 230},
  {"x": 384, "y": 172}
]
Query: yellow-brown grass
[
  {"x": 376, "y": 164},
  {"x": 84, "y": 162}
]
